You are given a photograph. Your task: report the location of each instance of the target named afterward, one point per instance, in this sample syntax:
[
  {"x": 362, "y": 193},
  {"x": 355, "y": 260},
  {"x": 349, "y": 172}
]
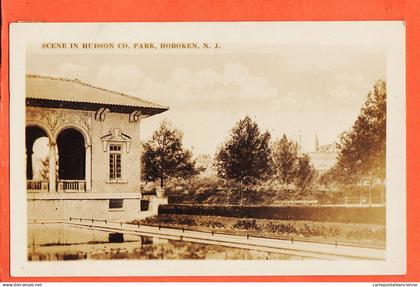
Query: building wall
[
  {"x": 53, "y": 121},
  {"x": 205, "y": 162},
  {"x": 323, "y": 161},
  {"x": 94, "y": 206},
  {"x": 130, "y": 156},
  {"x": 115, "y": 128}
]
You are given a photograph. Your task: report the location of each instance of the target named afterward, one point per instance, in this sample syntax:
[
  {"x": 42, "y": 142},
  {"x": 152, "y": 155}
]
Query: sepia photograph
[{"x": 150, "y": 148}]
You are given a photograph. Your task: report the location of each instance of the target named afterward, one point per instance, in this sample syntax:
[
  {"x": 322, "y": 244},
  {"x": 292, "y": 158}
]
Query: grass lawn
[{"x": 369, "y": 235}]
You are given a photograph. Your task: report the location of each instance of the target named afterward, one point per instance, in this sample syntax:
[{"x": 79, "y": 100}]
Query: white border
[{"x": 388, "y": 34}]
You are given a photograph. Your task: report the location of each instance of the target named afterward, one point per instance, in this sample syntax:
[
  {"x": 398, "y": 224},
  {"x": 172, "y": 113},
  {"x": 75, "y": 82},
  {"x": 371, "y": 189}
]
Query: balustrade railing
[
  {"x": 37, "y": 185},
  {"x": 62, "y": 185},
  {"x": 72, "y": 185}
]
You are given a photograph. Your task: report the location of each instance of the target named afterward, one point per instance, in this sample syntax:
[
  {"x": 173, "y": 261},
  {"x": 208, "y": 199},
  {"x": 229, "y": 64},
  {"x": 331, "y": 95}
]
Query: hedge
[{"x": 375, "y": 215}]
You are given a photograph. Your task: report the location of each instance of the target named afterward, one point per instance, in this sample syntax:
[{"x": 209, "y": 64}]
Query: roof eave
[{"x": 87, "y": 106}]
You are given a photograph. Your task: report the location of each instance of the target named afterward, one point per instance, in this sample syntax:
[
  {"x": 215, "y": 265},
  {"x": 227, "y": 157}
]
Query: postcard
[{"x": 165, "y": 149}]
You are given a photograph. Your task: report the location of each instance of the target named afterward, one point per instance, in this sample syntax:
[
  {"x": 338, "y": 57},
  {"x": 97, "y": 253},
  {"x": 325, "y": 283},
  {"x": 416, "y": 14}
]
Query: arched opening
[
  {"x": 41, "y": 159},
  {"x": 34, "y": 134},
  {"x": 71, "y": 155},
  {"x": 37, "y": 159}
]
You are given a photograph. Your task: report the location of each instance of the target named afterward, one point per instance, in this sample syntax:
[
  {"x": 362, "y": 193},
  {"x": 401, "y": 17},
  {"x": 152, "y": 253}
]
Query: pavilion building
[{"x": 94, "y": 151}]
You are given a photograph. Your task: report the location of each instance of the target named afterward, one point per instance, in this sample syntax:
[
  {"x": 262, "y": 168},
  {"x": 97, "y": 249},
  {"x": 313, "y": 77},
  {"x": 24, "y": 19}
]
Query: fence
[{"x": 212, "y": 232}]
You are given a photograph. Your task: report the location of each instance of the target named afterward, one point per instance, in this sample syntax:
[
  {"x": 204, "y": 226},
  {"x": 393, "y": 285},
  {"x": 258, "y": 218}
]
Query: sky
[{"x": 308, "y": 90}]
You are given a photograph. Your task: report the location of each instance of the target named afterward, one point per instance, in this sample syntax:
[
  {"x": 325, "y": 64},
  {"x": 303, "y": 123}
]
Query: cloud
[
  {"x": 203, "y": 98},
  {"x": 185, "y": 86},
  {"x": 233, "y": 83},
  {"x": 72, "y": 71},
  {"x": 290, "y": 100},
  {"x": 350, "y": 88},
  {"x": 121, "y": 77}
]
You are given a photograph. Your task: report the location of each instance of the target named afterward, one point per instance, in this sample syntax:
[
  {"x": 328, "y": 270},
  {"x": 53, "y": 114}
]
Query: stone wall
[{"x": 94, "y": 206}]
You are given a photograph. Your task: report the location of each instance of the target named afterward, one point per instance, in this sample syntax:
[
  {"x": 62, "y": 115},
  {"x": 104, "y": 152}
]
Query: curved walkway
[{"x": 297, "y": 248}]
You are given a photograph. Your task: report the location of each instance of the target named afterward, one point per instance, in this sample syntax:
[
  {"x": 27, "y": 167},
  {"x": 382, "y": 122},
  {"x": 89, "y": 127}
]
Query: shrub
[
  {"x": 214, "y": 224},
  {"x": 281, "y": 228},
  {"x": 246, "y": 224},
  {"x": 309, "y": 213},
  {"x": 186, "y": 221}
]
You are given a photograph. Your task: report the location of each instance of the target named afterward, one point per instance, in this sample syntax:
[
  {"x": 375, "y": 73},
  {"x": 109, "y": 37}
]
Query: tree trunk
[
  {"x": 370, "y": 189},
  {"x": 240, "y": 192}
]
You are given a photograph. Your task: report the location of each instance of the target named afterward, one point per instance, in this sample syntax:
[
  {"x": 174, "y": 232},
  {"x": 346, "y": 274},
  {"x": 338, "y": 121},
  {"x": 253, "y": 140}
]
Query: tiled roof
[{"x": 69, "y": 91}]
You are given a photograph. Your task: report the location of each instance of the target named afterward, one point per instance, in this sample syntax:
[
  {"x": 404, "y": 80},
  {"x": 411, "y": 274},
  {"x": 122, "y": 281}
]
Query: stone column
[
  {"x": 53, "y": 162},
  {"x": 88, "y": 167}
]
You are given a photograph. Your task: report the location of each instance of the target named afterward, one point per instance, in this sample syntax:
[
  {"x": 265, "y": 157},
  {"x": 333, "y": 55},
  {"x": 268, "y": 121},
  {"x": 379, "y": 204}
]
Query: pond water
[{"x": 49, "y": 242}]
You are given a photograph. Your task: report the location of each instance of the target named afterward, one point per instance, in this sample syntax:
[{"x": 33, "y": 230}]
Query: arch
[
  {"x": 42, "y": 126},
  {"x": 71, "y": 146},
  {"x": 80, "y": 129},
  {"x": 32, "y": 133},
  {"x": 41, "y": 158}
]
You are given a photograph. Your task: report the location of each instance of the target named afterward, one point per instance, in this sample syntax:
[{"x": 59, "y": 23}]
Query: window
[
  {"x": 115, "y": 161},
  {"x": 116, "y": 203},
  {"x": 144, "y": 205}
]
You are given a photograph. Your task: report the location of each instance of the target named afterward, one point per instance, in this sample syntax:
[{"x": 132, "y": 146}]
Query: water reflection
[
  {"x": 63, "y": 242},
  {"x": 115, "y": 238}
]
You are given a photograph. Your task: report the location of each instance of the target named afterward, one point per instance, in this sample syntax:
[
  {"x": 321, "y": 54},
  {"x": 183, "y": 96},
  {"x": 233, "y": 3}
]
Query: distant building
[
  {"x": 204, "y": 163},
  {"x": 323, "y": 157}
]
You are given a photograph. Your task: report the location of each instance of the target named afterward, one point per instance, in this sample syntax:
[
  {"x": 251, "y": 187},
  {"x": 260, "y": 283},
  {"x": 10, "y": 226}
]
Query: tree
[
  {"x": 45, "y": 169},
  {"x": 305, "y": 173},
  {"x": 245, "y": 156},
  {"x": 285, "y": 159},
  {"x": 362, "y": 150},
  {"x": 164, "y": 156}
]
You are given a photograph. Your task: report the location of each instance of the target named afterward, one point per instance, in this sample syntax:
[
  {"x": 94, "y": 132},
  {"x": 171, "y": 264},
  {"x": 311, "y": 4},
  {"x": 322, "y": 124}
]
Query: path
[{"x": 297, "y": 248}]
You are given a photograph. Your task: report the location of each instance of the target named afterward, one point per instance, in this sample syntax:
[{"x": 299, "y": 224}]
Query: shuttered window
[{"x": 115, "y": 161}]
